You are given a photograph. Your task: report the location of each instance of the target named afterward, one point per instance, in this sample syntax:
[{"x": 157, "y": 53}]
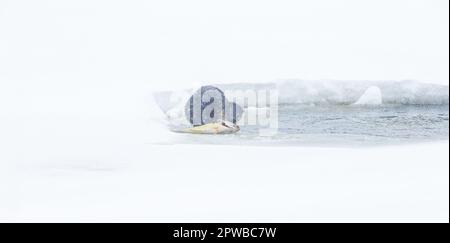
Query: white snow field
[
  {"x": 80, "y": 141},
  {"x": 157, "y": 183},
  {"x": 110, "y": 161}
]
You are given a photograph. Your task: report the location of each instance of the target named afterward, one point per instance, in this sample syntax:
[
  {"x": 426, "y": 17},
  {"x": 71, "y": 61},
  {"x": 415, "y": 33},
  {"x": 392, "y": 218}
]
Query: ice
[
  {"x": 114, "y": 160},
  {"x": 206, "y": 183},
  {"x": 372, "y": 96},
  {"x": 331, "y": 92}
]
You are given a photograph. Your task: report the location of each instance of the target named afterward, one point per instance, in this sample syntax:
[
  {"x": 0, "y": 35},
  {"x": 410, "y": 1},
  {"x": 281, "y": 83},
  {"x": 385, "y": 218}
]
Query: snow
[
  {"x": 113, "y": 179},
  {"x": 113, "y": 159},
  {"x": 325, "y": 92},
  {"x": 372, "y": 96},
  {"x": 79, "y": 141}
]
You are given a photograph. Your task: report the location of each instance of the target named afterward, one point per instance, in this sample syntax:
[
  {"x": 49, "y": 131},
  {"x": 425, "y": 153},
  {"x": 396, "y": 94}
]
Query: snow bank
[
  {"x": 329, "y": 93},
  {"x": 372, "y": 96},
  {"x": 348, "y": 92}
]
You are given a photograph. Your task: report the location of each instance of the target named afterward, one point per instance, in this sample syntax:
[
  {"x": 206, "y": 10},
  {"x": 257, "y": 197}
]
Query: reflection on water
[{"x": 344, "y": 126}]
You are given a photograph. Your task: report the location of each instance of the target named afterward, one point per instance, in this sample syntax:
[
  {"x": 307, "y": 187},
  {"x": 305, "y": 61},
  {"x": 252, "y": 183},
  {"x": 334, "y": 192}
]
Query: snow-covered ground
[
  {"x": 208, "y": 183},
  {"x": 80, "y": 142},
  {"x": 108, "y": 157},
  {"x": 92, "y": 173}
]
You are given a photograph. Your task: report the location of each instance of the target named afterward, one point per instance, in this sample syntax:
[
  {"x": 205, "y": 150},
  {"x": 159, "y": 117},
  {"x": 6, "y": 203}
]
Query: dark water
[{"x": 344, "y": 126}]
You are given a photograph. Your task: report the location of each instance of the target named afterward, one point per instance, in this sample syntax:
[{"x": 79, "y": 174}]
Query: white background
[{"x": 85, "y": 43}]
